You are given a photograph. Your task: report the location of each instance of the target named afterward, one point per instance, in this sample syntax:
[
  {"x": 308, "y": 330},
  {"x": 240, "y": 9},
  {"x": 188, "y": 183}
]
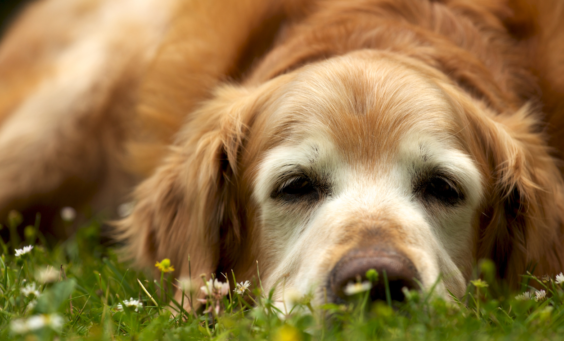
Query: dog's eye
[
  {"x": 297, "y": 189},
  {"x": 442, "y": 189}
]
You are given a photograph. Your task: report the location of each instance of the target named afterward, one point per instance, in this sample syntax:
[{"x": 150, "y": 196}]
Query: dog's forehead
[{"x": 365, "y": 104}]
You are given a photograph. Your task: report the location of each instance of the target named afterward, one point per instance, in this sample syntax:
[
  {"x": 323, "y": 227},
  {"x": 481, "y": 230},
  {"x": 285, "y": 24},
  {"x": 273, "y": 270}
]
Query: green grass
[{"x": 84, "y": 298}]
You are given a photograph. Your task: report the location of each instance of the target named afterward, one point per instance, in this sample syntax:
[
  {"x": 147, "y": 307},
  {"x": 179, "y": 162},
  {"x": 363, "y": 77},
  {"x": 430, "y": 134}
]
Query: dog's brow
[
  {"x": 315, "y": 150},
  {"x": 287, "y": 169},
  {"x": 290, "y": 166}
]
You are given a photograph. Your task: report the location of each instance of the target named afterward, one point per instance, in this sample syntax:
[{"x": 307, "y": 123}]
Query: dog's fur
[{"x": 215, "y": 107}]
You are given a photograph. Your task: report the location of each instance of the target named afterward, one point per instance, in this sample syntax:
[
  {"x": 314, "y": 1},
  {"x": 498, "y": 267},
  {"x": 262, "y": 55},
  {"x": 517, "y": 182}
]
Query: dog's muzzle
[{"x": 352, "y": 268}]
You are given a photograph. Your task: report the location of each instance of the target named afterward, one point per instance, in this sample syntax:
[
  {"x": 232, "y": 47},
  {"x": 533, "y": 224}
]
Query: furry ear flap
[
  {"x": 521, "y": 226},
  {"x": 182, "y": 209}
]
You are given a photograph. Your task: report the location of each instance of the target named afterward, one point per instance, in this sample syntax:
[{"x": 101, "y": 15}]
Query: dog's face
[
  {"x": 371, "y": 172},
  {"x": 369, "y": 160}
]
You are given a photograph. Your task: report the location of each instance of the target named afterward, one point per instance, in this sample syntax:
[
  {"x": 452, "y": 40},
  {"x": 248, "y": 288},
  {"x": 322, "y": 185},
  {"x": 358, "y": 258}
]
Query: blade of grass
[
  {"x": 387, "y": 286},
  {"x": 151, "y": 297}
]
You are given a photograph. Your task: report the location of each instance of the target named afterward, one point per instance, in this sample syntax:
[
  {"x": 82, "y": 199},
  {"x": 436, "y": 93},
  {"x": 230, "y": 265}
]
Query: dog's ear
[
  {"x": 182, "y": 209},
  {"x": 521, "y": 225}
]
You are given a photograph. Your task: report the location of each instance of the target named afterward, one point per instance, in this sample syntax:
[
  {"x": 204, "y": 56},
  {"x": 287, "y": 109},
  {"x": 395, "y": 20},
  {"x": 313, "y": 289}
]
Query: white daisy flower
[
  {"x": 215, "y": 287},
  {"x": 221, "y": 287},
  {"x": 68, "y": 213},
  {"x": 524, "y": 296},
  {"x": 46, "y": 275},
  {"x": 293, "y": 295},
  {"x": 55, "y": 322},
  {"x": 358, "y": 287},
  {"x": 185, "y": 284},
  {"x": 240, "y": 288},
  {"x": 36, "y": 322},
  {"x": 125, "y": 209},
  {"x": 21, "y": 326},
  {"x": 30, "y": 290},
  {"x": 39, "y": 321},
  {"x": 24, "y": 250},
  {"x": 131, "y": 303},
  {"x": 207, "y": 289},
  {"x": 31, "y": 305},
  {"x": 559, "y": 278},
  {"x": 540, "y": 295}
]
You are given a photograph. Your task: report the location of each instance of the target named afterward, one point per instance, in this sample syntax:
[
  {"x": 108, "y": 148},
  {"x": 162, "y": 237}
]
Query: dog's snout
[{"x": 351, "y": 269}]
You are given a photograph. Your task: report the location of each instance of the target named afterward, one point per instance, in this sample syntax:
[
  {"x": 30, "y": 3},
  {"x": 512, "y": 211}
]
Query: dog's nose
[{"x": 351, "y": 269}]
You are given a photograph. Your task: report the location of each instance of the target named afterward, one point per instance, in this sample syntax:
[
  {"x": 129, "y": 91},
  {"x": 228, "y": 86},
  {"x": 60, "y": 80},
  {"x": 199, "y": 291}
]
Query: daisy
[
  {"x": 36, "y": 322},
  {"x": 24, "y": 250},
  {"x": 31, "y": 305},
  {"x": 68, "y": 213},
  {"x": 125, "y": 209},
  {"x": 215, "y": 287},
  {"x": 46, "y": 275},
  {"x": 358, "y": 287},
  {"x": 131, "y": 303},
  {"x": 240, "y": 288},
  {"x": 30, "y": 290},
  {"x": 214, "y": 291},
  {"x": 39, "y": 321},
  {"x": 21, "y": 326},
  {"x": 559, "y": 278},
  {"x": 221, "y": 287},
  {"x": 185, "y": 284},
  {"x": 540, "y": 295},
  {"x": 55, "y": 321},
  {"x": 524, "y": 296},
  {"x": 292, "y": 295}
]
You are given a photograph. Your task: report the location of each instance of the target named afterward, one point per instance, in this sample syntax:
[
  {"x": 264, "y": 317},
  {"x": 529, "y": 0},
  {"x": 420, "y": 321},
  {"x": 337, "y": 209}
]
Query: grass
[{"x": 80, "y": 286}]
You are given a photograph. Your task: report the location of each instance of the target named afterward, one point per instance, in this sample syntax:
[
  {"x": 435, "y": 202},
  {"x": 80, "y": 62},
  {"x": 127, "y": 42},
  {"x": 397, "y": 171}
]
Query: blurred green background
[{"x": 8, "y": 10}]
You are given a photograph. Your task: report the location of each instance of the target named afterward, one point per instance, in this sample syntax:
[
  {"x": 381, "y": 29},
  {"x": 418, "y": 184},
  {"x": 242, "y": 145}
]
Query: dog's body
[{"x": 319, "y": 138}]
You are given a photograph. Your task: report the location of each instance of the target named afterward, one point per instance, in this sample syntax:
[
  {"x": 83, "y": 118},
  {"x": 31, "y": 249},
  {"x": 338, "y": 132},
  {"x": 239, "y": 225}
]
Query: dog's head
[{"x": 368, "y": 160}]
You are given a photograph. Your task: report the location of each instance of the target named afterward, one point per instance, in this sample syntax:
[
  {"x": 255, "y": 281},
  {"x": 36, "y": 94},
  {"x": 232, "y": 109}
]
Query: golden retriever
[{"x": 317, "y": 139}]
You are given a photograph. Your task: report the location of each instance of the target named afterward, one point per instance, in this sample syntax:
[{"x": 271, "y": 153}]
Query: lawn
[{"x": 79, "y": 290}]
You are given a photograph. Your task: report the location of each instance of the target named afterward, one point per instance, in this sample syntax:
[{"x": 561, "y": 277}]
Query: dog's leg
[{"x": 67, "y": 91}]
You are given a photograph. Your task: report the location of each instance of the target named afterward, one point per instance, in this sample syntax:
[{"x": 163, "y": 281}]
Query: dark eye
[
  {"x": 300, "y": 188},
  {"x": 442, "y": 189}
]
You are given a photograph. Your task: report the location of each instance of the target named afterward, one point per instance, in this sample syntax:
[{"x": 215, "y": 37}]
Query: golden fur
[{"x": 193, "y": 119}]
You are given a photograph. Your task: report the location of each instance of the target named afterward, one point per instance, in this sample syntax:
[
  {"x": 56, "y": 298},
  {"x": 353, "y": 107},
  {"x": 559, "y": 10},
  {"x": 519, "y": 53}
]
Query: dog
[{"x": 309, "y": 140}]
